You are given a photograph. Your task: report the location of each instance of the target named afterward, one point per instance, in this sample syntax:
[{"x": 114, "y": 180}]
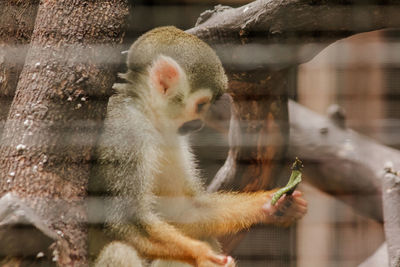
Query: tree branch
[
  {"x": 378, "y": 258},
  {"x": 20, "y": 222},
  {"x": 337, "y": 160},
  {"x": 301, "y": 28},
  {"x": 340, "y": 161}
]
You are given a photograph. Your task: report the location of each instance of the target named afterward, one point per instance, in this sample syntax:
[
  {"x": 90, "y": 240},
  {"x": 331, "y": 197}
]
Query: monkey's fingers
[
  {"x": 298, "y": 205},
  {"x": 230, "y": 263},
  {"x": 220, "y": 259},
  {"x": 301, "y": 202},
  {"x": 293, "y": 203},
  {"x": 295, "y": 213},
  {"x": 297, "y": 193}
]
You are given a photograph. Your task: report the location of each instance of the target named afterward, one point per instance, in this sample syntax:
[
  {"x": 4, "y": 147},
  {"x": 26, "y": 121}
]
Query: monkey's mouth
[{"x": 190, "y": 127}]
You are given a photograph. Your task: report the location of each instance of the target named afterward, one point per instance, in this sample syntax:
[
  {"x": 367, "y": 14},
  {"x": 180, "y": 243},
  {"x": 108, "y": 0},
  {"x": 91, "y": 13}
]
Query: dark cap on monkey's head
[{"x": 197, "y": 59}]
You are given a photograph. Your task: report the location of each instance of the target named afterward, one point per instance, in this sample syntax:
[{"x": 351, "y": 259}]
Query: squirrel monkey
[{"x": 160, "y": 211}]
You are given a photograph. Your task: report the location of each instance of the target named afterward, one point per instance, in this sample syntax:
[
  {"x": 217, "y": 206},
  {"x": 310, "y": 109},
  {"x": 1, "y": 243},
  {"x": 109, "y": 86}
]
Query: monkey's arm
[{"x": 221, "y": 213}]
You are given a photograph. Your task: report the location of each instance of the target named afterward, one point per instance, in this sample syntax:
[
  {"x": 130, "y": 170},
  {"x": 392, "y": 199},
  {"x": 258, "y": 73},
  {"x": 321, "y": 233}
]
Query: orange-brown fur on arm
[{"x": 222, "y": 213}]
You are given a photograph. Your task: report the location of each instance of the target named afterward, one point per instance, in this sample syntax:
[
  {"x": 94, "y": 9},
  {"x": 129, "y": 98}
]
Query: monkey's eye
[{"x": 200, "y": 106}]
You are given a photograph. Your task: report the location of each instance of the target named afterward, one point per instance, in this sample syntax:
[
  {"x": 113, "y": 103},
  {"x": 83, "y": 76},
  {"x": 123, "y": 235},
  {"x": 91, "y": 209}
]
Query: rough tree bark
[
  {"x": 16, "y": 26},
  {"x": 53, "y": 122}
]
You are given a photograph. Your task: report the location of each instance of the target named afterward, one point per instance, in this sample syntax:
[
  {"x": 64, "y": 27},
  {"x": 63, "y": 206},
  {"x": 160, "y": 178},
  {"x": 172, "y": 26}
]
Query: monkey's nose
[{"x": 191, "y": 126}]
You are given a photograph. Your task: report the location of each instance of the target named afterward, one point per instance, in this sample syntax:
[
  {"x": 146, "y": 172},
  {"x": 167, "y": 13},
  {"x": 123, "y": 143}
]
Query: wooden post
[{"x": 54, "y": 119}]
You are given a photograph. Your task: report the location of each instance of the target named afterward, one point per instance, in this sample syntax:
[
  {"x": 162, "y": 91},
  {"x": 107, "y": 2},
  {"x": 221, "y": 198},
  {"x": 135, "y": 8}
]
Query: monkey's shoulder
[
  {"x": 126, "y": 130},
  {"x": 125, "y": 116}
]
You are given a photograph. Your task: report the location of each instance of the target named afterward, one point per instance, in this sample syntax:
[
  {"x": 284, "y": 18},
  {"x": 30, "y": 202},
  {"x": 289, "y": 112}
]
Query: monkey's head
[{"x": 182, "y": 76}]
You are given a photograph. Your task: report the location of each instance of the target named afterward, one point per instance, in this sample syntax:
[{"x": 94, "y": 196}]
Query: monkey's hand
[
  {"x": 286, "y": 211},
  {"x": 213, "y": 260}
]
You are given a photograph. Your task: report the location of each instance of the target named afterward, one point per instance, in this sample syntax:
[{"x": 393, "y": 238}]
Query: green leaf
[{"x": 294, "y": 180}]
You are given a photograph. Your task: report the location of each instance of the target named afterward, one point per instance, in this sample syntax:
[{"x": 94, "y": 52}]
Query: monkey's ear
[{"x": 165, "y": 74}]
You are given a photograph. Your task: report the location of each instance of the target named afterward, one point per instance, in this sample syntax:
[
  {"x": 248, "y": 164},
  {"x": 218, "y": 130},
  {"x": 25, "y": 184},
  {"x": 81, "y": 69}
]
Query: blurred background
[{"x": 361, "y": 74}]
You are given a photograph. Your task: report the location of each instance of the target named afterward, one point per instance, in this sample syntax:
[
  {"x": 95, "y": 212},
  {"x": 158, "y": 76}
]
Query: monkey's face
[
  {"x": 195, "y": 108},
  {"x": 178, "y": 107},
  {"x": 186, "y": 110}
]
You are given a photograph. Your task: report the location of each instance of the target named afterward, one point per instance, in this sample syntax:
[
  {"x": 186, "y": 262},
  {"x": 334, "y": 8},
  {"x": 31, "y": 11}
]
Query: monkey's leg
[
  {"x": 211, "y": 241},
  {"x": 162, "y": 263},
  {"x": 118, "y": 254},
  {"x": 160, "y": 240}
]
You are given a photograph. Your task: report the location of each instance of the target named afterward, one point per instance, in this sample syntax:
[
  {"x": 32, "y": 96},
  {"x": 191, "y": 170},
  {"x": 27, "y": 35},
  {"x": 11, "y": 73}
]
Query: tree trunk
[
  {"x": 17, "y": 19},
  {"x": 277, "y": 34},
  {"x": 258, "y": 133},
  {"x": 258, "y": 136},
  {"x": 54, "y": 118}
]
